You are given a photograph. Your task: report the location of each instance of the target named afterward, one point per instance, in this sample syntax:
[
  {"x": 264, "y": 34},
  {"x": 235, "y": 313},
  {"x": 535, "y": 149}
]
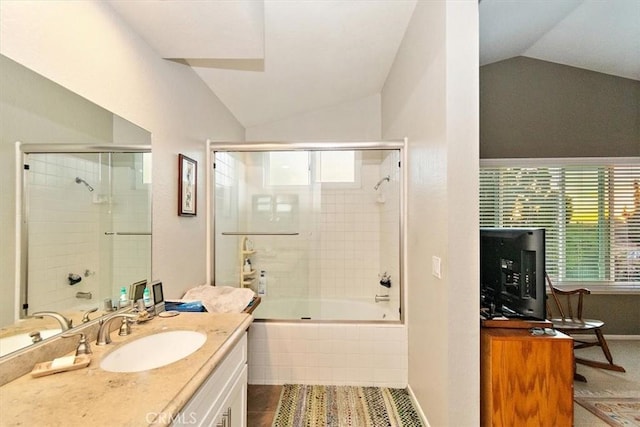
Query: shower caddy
[{"x": 246, "y": 277}]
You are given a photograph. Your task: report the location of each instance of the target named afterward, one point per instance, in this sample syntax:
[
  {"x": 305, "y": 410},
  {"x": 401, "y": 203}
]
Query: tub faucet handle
[
  {"x": 85, "y": 316},
  {"x": 379, "y": 298}
]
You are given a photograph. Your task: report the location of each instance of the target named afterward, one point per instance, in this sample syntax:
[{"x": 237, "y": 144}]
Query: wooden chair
[{"x": 573, "y": 323}]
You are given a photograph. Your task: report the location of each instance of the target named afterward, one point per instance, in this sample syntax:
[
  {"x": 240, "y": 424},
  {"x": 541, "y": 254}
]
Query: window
[
  {"x": 591, "y": 213},
  {"x": 336, "y": 166},
  {"x": 296, "y": 168},
  {"x": 285, "y": 168}
]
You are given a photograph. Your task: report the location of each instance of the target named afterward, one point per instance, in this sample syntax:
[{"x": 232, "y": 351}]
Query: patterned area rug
[
  {"x": 342, "y": 406},
  {"x": 616, "y": 409}
]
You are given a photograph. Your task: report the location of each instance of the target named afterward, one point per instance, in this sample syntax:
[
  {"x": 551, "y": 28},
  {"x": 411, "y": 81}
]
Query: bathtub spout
[{"x": 379, "y": 298}]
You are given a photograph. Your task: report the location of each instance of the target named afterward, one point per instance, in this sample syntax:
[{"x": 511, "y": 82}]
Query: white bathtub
[
  {"x": 299, "y": 343},
  {"x": 325, "y": 309}
]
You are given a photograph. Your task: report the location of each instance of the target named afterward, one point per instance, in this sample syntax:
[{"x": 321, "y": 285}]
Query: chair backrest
[{"x": 564, "y": 301}]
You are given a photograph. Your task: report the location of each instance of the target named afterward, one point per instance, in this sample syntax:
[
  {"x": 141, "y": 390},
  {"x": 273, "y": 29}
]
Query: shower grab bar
[
  {"x": 259, "y": 233},
  {"x": 127, "y": 233}
]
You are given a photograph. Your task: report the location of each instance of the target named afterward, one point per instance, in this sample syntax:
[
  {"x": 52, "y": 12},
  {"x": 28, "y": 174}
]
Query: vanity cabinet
[{"x": 221, "y": 401}]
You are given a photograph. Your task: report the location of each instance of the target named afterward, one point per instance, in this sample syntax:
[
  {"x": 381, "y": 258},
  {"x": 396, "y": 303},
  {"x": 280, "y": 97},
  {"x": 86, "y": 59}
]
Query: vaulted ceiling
[
  {"x": 272, "y": 59},
  {"x": 597, "y": 35}
]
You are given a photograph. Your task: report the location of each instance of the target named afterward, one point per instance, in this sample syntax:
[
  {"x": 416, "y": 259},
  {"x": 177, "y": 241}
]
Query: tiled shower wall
[
  {"x": 130, "y": 212},
  {"x": 63, "y": 224},
  {"x": 345, "y": 235}
]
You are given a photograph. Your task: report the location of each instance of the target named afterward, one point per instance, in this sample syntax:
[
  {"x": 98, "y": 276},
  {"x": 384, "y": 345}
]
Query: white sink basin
[
  {"x": 16, "y": 342},
  {"x": 153, "y": 351}
]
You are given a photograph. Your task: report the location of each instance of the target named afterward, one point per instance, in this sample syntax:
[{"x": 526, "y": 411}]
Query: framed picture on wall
[{"x": 187, "y": 185}]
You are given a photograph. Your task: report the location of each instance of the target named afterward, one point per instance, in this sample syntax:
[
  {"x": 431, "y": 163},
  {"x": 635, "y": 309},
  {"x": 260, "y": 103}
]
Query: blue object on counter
[{"x": 193, "y": 306}]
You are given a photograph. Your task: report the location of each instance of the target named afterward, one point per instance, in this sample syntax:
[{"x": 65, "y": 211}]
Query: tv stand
[
  {"x": 511, "y": 323},
  {"x": 525, "y": 379}
]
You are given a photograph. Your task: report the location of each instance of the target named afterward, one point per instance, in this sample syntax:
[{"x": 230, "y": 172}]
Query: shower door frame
[
  {"x": 23, "y": 150},
  {"x": 264, "y": 146}
]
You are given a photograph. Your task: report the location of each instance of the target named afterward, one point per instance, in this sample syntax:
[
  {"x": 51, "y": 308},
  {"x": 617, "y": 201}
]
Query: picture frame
[{"x": 187, "y": 186}]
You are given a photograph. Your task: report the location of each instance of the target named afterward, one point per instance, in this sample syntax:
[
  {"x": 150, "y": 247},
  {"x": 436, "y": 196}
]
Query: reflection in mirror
[
  {"x": 72, "y": 264},
  {"x": 87, "y": 226}
]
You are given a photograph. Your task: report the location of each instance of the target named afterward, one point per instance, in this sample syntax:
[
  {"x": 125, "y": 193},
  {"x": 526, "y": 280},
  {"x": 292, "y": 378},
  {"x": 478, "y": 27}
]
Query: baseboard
[
  {"x": 609, "y": 337},
  {"x": 416, "y": 405}
]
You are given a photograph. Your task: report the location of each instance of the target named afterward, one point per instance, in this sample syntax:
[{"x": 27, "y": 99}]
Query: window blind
[{"x": 591, "y": 214}]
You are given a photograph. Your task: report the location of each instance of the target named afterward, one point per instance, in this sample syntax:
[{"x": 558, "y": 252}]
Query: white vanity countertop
[{"x": 92, "y": 396}]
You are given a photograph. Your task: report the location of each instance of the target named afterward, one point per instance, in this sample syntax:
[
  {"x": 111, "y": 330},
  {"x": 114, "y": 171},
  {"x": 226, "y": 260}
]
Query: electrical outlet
[{"x": 436, "y": 264}]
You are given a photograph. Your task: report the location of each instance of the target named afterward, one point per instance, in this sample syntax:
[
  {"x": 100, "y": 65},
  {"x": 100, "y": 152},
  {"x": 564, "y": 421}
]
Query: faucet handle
[
  {"x": 125, "y": 327},
  {"x": 85, "y": 316},
  {"x": 83, "y": 345},
  {"x": 35, "y": 336}
]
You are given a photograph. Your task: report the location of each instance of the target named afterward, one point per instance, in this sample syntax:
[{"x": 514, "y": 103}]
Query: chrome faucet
[
  {"x": 104, "y": 333},
  {"x": 65, "y": 323}
]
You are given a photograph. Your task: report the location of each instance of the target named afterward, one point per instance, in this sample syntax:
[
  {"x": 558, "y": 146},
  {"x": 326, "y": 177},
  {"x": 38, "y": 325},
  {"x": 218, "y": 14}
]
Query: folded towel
[{"x": 220, "y": 299}]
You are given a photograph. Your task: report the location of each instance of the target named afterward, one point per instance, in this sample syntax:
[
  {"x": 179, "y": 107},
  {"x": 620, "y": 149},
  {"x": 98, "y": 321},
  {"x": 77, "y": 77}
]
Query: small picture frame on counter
[{"x": 158, "y": 296}]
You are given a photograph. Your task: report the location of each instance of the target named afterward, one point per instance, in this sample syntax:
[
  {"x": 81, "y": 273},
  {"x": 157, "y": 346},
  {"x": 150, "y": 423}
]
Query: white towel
[{"x": 220, "y": 299}]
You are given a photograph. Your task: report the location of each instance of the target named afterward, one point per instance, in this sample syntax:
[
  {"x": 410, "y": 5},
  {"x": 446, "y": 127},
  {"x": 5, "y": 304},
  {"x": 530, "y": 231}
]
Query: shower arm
[{"x": 386, "y": 178}]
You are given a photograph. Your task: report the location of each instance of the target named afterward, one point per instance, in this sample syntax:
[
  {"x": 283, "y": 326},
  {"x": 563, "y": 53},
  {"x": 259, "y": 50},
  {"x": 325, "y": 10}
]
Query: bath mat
[
  {"x": 616, "y": 410},
  {"x": 342, "y": 406}
]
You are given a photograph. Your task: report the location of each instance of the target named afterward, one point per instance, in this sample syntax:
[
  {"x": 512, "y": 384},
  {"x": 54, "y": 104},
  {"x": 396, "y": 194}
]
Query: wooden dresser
[{"x": 525, "y": 380}]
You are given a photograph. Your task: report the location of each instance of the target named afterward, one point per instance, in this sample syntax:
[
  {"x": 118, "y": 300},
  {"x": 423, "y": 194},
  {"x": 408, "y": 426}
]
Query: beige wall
[
  {"x": 431, "y": 96},
  {"x": 358, "y": 120},
  {"x": 87, "y": 48},
  {"x": 533, "y": 108},
  {"x": 620, "y": 313}
]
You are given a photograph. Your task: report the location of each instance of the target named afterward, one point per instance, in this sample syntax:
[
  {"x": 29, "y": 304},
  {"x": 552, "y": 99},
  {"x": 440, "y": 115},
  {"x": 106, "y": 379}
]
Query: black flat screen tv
[{"x": 512, "y": 265}]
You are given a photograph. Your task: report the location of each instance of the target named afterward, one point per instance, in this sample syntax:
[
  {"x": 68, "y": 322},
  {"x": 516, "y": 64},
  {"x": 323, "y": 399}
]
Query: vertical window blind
[{"x": 591, "y": 214}]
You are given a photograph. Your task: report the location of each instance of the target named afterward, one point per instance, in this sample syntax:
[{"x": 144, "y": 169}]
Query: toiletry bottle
[
  {"x": 146, "y": 297},
  {"x": 262, "y": 284},
  {"x": 124, "y": 299},
  {"x": 148, "y": 304},
  {"x": 247, "y": 266}
]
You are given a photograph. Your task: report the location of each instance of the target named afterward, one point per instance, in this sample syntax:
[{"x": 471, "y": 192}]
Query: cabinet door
[
  {"x": 234, "y": 412},
  {"x": 213, "y": 398},
  {"x": 526, "y": 380}
]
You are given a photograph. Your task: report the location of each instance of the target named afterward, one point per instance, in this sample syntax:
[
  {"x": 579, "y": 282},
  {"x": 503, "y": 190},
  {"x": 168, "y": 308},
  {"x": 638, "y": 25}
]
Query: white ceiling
[
  {"x": 317, "y": 53},
  {"x": 272, "y": 59},
  {"x": 598, "y": 35}
]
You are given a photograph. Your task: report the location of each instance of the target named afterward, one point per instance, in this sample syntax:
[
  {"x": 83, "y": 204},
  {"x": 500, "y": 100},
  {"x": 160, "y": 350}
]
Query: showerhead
[
  {"x": 82, "y": 181},
  {"x": 386, "y": 178}
]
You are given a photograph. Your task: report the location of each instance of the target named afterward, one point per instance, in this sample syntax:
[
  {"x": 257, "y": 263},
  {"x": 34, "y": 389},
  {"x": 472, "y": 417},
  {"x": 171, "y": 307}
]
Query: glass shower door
[
  {"x": 88, "y": 228},
  {"x": 323, "y": 225}
]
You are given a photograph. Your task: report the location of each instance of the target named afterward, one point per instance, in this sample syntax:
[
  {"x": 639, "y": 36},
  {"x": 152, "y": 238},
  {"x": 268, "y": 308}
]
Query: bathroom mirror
[{"x": 76, "y": 220}]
